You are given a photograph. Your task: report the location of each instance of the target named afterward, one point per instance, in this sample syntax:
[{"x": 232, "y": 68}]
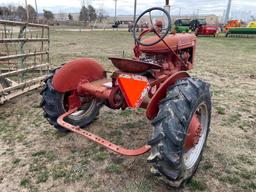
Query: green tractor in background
[{"x": 182, "y": 25}]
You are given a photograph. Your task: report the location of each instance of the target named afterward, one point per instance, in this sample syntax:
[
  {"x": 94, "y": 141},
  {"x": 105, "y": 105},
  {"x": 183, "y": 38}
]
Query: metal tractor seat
[{"x": 133, "y": 66}]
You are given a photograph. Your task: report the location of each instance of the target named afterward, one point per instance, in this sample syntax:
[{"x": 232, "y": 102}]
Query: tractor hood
[{"x": 177, "y": 41}]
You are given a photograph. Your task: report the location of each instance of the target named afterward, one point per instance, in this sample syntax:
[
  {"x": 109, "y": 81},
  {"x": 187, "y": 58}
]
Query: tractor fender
[
  {"x": 71, "y": 74},
  {"x": 153, "y": 108}
]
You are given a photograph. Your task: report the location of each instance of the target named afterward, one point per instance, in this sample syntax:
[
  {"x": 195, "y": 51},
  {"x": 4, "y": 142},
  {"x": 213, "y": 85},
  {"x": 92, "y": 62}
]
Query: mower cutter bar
[{"x": 99, "y": 140}]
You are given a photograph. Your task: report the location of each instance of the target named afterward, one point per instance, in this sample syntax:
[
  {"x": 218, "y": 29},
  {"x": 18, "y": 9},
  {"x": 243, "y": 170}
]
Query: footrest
[{"x": 113, "y": 147}]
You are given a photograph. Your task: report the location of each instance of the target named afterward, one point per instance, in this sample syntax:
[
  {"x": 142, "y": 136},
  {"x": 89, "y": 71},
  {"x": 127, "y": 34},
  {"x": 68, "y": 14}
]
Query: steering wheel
[{"x": 153, "y": 29}]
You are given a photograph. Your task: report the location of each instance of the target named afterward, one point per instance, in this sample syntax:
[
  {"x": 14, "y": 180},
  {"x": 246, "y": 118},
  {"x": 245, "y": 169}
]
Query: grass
[
  {"x": 24, "y": 182},
  {"x": 220, "y": 110},
  {"x": 102, "y": 155},
  {"x": 197, "y": 185},
  {"x": 36, "y": 157},
  {"x": 113, "y": 168},
  {"x": 42, "y": 177}
]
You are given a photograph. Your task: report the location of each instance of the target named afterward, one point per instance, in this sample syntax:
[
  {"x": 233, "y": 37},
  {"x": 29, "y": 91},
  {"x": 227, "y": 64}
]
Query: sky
[{"x": 125, "y": 7}]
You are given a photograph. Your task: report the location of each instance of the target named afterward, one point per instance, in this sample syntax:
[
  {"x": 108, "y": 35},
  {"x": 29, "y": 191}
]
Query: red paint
[
  {"x": 153, "y": 108},
  {"x": 113, "y": 147},
  {"x": 76, "y": 71},
  {"x": 206, "y": 30},
  {"x": 193, "y": 133},
  {"x": 175, "y": 42},
  {"x": 95, "y": 88},
  {"x": 73, "y": 101}
]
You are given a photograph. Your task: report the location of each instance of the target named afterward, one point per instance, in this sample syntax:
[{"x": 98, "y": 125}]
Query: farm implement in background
[
  {"x": 232, "y": 24},
  {"x": 24, "y": 57},
  {"x": 155, "y": 79},
  {"x": 201, "y": 28},
  {"x": 249, "y": 31}
]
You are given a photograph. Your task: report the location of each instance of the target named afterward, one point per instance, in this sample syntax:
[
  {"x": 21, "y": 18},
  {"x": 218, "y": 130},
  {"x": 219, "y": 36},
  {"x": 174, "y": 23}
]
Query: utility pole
[
  {"x": 36, "y": 10},
  {"x": 36, "y": 7},
  {"x": 135, "y": 11},
  {"x": 197, "y": 13},
  {"x": 228, "y": 11},
  {"x": 167, "y": 6},
  {"x": 26, "y": 3},
  {"x": 115, "y": 8}
]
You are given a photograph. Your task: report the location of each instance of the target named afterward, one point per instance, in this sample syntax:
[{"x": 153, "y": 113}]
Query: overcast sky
[{"x": 125, "y": 7}]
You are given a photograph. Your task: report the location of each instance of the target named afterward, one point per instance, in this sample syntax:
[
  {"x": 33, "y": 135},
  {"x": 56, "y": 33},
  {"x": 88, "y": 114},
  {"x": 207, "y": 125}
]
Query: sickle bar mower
[{"x": 178, "y": 106}]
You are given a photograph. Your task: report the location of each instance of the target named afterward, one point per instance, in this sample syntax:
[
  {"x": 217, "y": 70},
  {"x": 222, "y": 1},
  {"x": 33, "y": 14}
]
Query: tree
[
  {"x": 48, "y": 15},
  {"x": 70, "y": 17},
  {"x": 92, "y": 13},
  {"x": 21, "y": 13},
  {"x": 101, "y": 15},
  {"x": 84, "y": 14},
  {"x": 32, "y": 13}
]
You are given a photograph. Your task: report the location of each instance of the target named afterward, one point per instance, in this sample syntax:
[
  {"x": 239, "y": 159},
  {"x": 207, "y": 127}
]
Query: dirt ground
[{"x": 35, "y": 157}]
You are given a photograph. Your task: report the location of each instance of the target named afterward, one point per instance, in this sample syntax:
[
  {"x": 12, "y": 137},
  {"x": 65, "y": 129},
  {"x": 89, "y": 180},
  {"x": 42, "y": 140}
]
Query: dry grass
[{"x": 34, "y": 157}]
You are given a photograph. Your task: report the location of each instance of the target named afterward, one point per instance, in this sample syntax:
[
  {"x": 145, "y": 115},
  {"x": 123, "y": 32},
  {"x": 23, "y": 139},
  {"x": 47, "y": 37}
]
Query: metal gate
[{"x": 24, "y": 57}]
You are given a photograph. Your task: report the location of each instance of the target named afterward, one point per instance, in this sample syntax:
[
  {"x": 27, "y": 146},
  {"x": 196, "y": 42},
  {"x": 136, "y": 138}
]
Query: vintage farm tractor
[{"x": 178, "y": 105}]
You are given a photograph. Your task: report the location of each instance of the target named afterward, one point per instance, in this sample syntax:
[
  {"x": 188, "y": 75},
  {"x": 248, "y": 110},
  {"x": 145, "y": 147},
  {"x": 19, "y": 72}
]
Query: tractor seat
[{"x": 133, "y": 66}]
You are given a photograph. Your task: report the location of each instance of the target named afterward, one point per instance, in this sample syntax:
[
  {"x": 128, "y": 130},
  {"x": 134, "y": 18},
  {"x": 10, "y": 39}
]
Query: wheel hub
[{"x": 194, "y": 133}]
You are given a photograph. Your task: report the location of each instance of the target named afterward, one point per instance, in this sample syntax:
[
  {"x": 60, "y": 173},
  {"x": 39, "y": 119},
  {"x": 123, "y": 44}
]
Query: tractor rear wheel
[
  {"x": 55, "y": 104},
  {"x": 180, "y": 131}
]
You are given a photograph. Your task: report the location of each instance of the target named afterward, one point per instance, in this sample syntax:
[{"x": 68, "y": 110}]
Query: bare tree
[
  {"x": 21, "y": 13},
  {"x": 32, "y": 13}
]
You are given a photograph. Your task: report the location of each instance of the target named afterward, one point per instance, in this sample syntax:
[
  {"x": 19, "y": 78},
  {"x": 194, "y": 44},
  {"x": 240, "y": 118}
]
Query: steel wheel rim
[
  {"x": 191, "y": 156},
  {"x": 82, "y": 113}
]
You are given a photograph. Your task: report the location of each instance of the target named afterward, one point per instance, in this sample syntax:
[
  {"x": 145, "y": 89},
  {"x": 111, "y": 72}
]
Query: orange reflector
[{"x": 134, "y": 88}]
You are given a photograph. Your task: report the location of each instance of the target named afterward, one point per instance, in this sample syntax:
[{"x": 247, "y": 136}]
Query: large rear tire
[
  {"x": 169, "y": 155},
  {"x": 53, "y": 104}
]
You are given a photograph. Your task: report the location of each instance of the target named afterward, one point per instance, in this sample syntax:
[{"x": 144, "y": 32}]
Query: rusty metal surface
[
  {"x": 175, "y": 42},
  {"x": 133, "y": 66},
  {"x": 109, "y": 145}
]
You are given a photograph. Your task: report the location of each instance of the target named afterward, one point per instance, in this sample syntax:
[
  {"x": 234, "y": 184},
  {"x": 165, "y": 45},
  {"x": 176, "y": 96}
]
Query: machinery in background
[
  {"x": 200, "y": 27},
  {"x": 232, "y": 24},
  {"x": 249, "y": 31},
  {"x": 182, "y": 25}
]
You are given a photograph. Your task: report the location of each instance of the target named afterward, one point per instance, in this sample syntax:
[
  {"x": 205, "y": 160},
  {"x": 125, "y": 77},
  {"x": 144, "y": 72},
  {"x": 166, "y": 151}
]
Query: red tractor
[
  {"x": 178, "y": 106},
  {"x": 201, "y": 28}
]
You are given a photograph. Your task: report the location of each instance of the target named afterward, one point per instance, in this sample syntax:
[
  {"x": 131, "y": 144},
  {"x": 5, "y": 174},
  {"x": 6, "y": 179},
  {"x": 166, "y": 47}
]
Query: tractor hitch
[{"x": 109, "y": 145}]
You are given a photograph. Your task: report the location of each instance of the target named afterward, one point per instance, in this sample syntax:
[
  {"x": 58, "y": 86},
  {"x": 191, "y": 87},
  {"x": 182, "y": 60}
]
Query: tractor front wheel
[
  {"x": 55, "y": 104},
  {"x": 180, "y": 131}
]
